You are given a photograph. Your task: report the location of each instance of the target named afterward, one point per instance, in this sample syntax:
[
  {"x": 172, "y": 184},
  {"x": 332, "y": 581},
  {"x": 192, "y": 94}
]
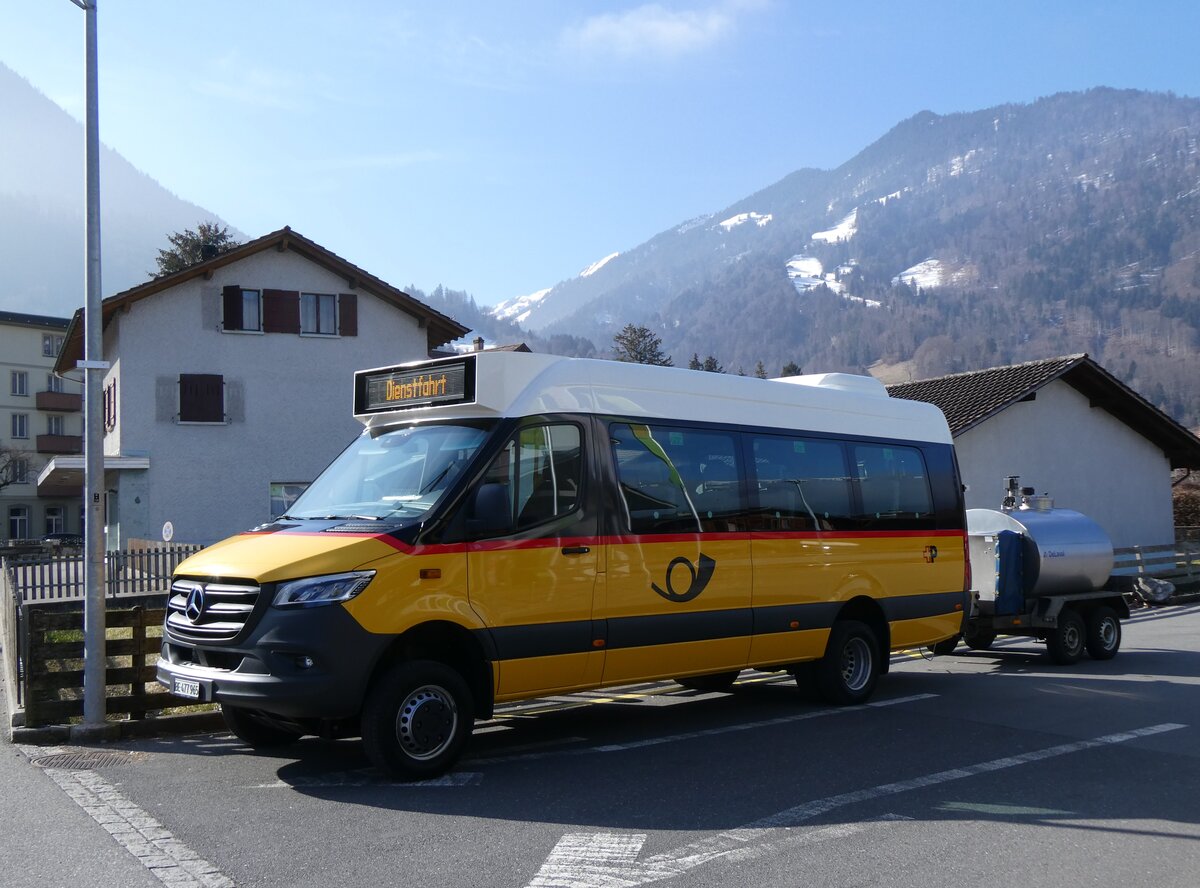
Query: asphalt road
[{"x": 994, "y": 767}]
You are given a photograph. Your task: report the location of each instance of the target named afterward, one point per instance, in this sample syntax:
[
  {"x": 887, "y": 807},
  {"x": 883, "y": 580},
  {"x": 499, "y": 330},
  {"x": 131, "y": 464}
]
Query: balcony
[
  {"x": 59, "y": 402},
  {"x": 59, "y": 443}
]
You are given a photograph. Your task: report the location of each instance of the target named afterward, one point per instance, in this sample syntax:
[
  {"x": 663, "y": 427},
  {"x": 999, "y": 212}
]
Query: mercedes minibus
[{"x": 513, "y": 525}]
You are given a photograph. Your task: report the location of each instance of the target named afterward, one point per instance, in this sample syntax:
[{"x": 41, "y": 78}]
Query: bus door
[
  {"x": 678, "y": 581},
  {"x": 532, "y": 569}
]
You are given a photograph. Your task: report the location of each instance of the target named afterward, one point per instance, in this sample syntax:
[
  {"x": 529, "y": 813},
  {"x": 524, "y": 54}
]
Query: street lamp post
[{"x": 93, "y": 365}]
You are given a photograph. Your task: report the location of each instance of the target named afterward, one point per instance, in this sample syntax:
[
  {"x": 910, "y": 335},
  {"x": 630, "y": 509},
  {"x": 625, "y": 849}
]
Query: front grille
[{"x": 203, "y": 611}]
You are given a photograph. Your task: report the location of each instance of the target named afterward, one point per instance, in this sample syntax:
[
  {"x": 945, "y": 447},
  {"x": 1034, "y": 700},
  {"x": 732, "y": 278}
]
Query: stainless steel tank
[{"x": 1063, "y": 551}]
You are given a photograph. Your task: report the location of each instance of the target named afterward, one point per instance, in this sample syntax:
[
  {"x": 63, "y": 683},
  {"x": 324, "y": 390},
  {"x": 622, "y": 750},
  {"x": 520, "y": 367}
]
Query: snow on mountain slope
[{"x": 843, "y": 231}]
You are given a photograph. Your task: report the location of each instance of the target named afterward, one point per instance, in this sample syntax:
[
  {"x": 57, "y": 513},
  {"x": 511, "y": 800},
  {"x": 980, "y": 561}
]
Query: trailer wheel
[
  {"x": 1066, "y": 641},
  {"x": 979, "y": 639},
  {"x": 417, "y": 718},
  {"x": 255, "y": 730},
  {"x": 847, "y": 674},
  {"x": 719, "y": 681},
  {"x": 1103, "y": 633}
]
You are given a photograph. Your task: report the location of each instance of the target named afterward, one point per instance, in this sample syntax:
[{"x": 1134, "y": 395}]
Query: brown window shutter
[
  {"x": 201, "y": 397},
  {"x": 281, "y": 311},
  {"x": 347, "y": 314},
  {"x": 231, "y": 298}
]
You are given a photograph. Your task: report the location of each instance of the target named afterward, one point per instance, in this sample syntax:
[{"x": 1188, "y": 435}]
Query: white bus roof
[{"x": 515, "y": 384}]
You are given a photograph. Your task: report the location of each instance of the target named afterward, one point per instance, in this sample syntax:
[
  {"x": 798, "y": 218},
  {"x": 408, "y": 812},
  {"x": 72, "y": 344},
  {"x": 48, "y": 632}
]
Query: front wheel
[
  {"x": 1066, "y": 640},
  {"x": 946, "y": 647},
  {"x": 417, "y": 718},
  {"x": 1103, "y": 633},
  {"x": 847, "y": 674}
]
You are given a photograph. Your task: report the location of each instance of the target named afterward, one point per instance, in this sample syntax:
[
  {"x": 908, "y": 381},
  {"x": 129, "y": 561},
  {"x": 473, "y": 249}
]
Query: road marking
[
  {"x": 168, "y": 859},
  {"x": 605, "y": 860}
]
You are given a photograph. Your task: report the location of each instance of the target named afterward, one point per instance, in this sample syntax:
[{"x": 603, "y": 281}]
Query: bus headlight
[{"x": 316, "y": 591}]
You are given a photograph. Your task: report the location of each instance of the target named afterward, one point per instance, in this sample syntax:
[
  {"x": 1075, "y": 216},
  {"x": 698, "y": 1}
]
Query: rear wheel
[
  {"x": 417, "y": 718},
  {"x": 1066, "y": 641},
  {"x": 1103, "y": 633},
  {"x": 718, "y": 681},
  {"x": 256, "y": 729},
  {"x": 850, "y": 668},
  {"x": 942, "y": 648}
]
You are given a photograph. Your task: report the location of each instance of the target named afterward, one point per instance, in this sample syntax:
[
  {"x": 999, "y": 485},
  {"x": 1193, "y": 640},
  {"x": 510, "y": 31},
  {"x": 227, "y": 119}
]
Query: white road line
[
  {"x": 168, "y": 859},
  {"x": 610, "y": 860}
]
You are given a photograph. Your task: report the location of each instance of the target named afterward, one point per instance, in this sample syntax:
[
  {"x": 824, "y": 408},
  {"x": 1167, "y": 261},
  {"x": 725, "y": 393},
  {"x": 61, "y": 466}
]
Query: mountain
[
  {"x": 954, "y": 242},
  {"x": 42, "y": 208}
]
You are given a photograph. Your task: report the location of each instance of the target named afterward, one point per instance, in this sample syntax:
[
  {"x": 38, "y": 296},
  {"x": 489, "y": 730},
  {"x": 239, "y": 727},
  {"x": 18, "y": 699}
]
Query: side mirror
[{"x": 491, "y": 511}]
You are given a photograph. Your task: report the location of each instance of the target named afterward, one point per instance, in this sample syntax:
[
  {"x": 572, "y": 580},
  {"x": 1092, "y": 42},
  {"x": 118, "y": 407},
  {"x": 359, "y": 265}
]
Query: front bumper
[{"x": 269, "y": 670}]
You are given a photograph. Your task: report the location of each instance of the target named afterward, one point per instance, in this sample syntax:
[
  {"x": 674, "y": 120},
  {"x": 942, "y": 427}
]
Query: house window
[
  {"x": 53, "y": 383},
  {"x": 18, "y": 471},
  {"x": 20, "y": 425},
  {"x": 110, "y": 406},
  {"x": 201, "y": 397},
  {"x": 20, "y": 382},
  {"x": 242, "y": 309},
  {"x": 54, "y": 519},
  {"x": 318, "y": 313},
  {"x": 283, "y": 494},
  {"x": 18, "y": 522},
  {"x": 51, "y": 345},
  {"x": 54, "y": 425}
]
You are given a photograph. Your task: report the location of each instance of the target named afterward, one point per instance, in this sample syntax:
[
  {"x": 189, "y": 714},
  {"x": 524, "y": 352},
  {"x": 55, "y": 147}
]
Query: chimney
[{"x": 478, "y": 343}]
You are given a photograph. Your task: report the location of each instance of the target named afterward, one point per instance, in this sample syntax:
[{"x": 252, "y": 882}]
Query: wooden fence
[
  {"x": 53, "y": 684},
  {"x": 1179, "y": 563}
]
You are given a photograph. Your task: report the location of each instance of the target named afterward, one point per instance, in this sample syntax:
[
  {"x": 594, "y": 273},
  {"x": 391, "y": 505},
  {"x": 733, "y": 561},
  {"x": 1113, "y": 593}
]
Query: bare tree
[{"x": 16, "y": 466}]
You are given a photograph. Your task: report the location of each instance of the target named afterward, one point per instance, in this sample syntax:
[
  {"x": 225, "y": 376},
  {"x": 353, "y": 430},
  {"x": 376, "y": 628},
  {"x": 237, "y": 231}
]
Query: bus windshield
[{"x": 397, "y": 474}]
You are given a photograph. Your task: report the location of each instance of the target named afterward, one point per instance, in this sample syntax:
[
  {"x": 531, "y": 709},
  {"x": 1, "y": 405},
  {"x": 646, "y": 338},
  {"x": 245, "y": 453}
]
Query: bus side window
[
  {"x": 802, "y": 484},
  {"x": 539, "y": 477},
  {"x": 678, "y": 480},
  {"x": 893, "y": 484}
]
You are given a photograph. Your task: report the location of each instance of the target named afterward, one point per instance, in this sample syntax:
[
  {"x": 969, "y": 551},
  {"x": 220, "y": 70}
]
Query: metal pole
[{"x": 94, "y": 690}]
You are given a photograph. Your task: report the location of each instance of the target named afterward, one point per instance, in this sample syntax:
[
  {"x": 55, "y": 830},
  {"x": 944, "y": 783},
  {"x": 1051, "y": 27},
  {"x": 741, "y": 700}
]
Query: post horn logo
[{"x": 698, "y": 578}]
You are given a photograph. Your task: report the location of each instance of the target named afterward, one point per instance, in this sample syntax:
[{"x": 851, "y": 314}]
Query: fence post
[{"x": 137, "y": 690}]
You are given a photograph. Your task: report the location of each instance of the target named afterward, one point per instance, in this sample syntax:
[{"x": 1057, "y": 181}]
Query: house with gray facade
[
  {"x": 1070, "y": 429},
  {"x": 40, "y": 418},
  {"x": 230, "y": 384}
]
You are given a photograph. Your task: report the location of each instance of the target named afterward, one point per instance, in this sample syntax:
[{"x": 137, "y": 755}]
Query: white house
[
  {"x": 1071, "y": 429},
  {"x": 231, "y": 382}
]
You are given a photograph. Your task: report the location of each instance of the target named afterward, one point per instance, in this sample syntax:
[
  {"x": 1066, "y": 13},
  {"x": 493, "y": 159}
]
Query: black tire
[
  {"x": 978, "y": 638},
  {"x": 1066, "y": 641},
  {"x": 417, "y": 718},
  {"x": 946, "y": 647},
  {"x": 718, "y": 681},
  {"x": 257, "y": 730},
  {"x": 848, "y": 672},
  {"x": 1103, "y": 633}
]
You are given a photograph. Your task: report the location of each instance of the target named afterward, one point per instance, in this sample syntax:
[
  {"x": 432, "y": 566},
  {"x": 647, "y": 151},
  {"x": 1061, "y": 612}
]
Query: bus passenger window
[
  {"x": 802, "y": 484},
  {"x": 678, "y": 480},
  {"x": 893, "y": 485}
]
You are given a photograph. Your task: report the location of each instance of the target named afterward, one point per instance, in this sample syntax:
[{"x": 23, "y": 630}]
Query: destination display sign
[{"x": 400, "y": 389}]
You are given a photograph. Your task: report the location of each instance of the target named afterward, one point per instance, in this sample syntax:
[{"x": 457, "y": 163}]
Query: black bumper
[{"x": 267, "y": 670}]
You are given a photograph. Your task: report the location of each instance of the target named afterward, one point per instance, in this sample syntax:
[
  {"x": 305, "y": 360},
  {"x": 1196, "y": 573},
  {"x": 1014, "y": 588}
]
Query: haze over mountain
[
  {"x": 42, "y": 208},
  {"x": 952, "y": 243}
]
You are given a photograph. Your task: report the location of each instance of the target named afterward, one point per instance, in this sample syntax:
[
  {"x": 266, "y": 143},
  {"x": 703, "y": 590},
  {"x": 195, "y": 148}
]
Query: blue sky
[{"x": 501, "y": 147}]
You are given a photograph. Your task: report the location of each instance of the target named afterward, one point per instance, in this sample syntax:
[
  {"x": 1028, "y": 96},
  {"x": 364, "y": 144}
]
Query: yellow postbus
[{"x": 513, "y": 525}]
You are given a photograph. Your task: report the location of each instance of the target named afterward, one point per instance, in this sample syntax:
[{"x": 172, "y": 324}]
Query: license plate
[{"x": 185, "y": 687}]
